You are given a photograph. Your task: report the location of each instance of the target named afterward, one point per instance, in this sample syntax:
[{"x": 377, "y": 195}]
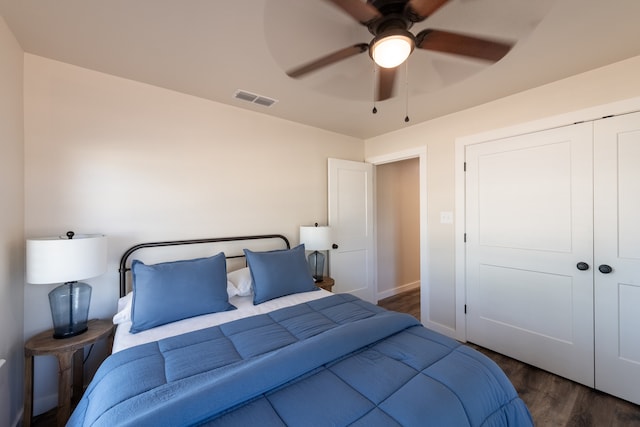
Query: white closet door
[
  {"x": 529, "y": 223},
  {"x": 617, "y": 244}
]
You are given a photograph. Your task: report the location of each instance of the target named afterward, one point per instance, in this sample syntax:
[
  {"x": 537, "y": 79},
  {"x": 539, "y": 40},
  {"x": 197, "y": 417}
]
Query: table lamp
[
  {"x": 67, "y": 259},
  {"x": 316, "y": 239}
]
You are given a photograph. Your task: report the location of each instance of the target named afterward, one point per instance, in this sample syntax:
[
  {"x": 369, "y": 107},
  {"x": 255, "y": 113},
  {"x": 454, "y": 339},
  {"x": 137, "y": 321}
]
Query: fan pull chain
[
  {"x": 375, "y": 110},
  {"x": 406, "y": 74}
]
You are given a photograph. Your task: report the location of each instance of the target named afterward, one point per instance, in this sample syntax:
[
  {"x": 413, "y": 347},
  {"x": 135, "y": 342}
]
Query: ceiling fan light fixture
[{"x": 392, "y": 48}]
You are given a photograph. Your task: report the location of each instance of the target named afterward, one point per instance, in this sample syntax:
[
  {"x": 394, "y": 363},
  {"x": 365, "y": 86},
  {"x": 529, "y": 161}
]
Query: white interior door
[
  {"x": 617, "y": 244},
  {"x": 529, "y": 223},
  {"x": 351, "y": 221}
]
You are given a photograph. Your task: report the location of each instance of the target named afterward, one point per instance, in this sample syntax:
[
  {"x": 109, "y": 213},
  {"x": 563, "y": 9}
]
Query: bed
[{"x": 199, "y": 344}]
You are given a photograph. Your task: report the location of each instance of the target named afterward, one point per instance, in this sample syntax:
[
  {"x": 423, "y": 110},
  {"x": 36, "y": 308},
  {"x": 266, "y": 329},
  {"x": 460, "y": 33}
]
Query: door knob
[
  {"x": 605, "y": 269},
  {"x": 582, "y": 266},
  {"x": 334, "y": 246}
]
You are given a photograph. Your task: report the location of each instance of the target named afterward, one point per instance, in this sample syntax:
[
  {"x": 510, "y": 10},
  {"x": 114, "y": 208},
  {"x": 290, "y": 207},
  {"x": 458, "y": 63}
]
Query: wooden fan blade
[
  {"x": 386, "y": 83},
  {"x": 329, "y": 59},
  {"x": 358, "y": 10},
  {"x": 421, "y": 9},
  {"x": 459, "y": 44}
]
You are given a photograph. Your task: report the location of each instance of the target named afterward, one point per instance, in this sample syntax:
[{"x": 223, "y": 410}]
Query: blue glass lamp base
[
  {"x": 70, "y": 309},
  {"x": 316, "y": 265}
]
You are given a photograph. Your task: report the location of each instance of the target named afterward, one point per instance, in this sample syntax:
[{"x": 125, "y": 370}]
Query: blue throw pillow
[
  {"x": 171, "y": 291},
  {"x": 279, "y": 273}
]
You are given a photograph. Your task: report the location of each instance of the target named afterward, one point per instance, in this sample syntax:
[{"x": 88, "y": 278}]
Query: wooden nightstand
[
  {"x": 70, "y": 354},
  {"x": 326, "y": 284}
]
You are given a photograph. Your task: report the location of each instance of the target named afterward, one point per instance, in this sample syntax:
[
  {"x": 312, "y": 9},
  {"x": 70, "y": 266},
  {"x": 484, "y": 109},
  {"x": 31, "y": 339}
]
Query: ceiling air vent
[{"x": 254, "y": 98}]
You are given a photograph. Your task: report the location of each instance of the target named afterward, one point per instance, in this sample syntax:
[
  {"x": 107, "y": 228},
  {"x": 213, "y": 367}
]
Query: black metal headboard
[{"x": 123, "y": 261}]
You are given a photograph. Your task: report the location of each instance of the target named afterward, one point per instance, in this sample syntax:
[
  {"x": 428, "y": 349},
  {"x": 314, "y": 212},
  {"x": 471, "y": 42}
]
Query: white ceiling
[{"x": 211, "y": 48}]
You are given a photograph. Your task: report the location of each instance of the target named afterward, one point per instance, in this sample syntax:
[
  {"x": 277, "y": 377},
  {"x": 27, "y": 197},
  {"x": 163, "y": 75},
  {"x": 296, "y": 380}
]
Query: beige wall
[
  {"x": 11, "y": 227},
  {"x": 615, "y": 82},
  {"x": 398, "y": 226},
  {"x": 140, "y": 163}
]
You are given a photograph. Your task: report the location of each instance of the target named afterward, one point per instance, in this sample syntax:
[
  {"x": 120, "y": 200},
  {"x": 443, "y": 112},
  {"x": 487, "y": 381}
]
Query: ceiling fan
[{"x": 389, "y": 21}]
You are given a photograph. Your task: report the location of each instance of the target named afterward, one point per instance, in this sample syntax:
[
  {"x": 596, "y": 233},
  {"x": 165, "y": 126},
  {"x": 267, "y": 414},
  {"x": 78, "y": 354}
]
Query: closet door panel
[
  {"x": 628, "y": 178},
  {"x": 617, "y": 245},
  {"x": 529, "y": 222}
]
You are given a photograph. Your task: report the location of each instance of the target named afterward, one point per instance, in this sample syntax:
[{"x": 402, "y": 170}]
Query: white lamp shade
[
  {"x": 60, "y": 259},
  {"x": 316, "y": 238}
]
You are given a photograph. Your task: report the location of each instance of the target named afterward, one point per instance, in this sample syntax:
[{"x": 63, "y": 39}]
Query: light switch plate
[{"x": 446, "y": 217}]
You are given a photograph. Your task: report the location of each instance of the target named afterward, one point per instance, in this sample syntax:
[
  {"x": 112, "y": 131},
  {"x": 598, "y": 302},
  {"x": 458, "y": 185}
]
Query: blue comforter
[{"x": 335, "y": 361}]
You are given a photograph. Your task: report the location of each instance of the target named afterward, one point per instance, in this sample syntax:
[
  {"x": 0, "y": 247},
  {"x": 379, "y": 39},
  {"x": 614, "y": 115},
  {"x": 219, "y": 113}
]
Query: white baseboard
[{"x": 398, "y": 290}]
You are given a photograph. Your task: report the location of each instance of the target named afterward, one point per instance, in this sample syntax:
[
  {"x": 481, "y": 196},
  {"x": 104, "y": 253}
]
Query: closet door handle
[
  {"x": 582, "y": 266},
  {"x": 605, "y": 269},
  {"x": 334, "y": 246}
]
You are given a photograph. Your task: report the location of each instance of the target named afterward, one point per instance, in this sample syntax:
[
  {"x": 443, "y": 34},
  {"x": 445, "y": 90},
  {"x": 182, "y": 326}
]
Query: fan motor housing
[
  {"x": 394, "y": 16},
  {"x": 389, "y": 6}
]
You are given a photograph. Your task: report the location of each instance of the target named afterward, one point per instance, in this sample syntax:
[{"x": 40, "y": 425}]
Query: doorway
[
  {"x": 397, "y": 211},
  {"x": 386, "y": 284}
]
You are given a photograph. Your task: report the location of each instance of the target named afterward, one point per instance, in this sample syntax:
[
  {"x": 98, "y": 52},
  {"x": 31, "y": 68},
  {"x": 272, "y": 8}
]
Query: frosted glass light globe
[{"x": 392, "y": 50}]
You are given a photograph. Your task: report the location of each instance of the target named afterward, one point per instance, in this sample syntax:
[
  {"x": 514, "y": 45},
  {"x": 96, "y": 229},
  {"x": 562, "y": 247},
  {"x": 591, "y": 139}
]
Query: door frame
[
  {"x": 586, "y": 114},
  {"x": 421, "y": 154}
]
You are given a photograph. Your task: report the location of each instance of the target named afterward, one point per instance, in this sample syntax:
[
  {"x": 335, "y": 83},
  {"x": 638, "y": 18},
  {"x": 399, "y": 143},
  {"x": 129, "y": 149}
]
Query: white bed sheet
[{"x": 123, "y": 339}]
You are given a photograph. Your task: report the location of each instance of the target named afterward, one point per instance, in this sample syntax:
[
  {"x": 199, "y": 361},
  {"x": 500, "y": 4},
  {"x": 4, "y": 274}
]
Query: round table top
[{"x": 45, "y": 343}]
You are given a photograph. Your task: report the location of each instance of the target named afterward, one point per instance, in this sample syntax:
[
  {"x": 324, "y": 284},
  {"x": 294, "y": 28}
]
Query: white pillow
[
  {"x": 124, "y": 309},
  {"x": 124, "y": 304},
  {"x": 241, "y": 279},
  {"x": 232, "y": 291}
]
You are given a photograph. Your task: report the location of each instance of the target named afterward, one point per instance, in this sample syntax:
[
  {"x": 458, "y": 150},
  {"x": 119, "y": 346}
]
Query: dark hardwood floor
[{"x": 552, "y": 400}]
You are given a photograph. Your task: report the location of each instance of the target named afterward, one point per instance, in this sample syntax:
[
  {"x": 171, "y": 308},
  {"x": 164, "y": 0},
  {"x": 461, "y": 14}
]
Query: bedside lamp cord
[{"x": 88, "y": 354}]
